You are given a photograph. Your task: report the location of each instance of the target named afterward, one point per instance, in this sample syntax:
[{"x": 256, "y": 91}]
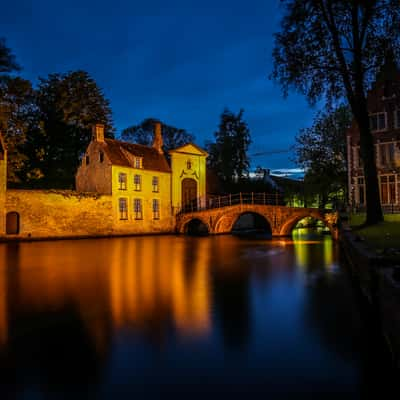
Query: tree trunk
[{"x": 367, "y": 150}]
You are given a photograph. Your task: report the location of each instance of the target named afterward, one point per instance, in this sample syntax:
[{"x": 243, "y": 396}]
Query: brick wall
[{"x": 50, "y": 213}]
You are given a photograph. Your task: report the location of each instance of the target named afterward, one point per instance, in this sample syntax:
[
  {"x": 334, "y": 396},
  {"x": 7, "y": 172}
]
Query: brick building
[{"x": 384, "y": 118}]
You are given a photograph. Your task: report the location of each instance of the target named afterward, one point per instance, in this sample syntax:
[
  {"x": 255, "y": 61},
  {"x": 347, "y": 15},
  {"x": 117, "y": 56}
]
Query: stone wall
[
  {"x": 46, "y": 214},
  {"x": 52, "y": 214},
  {"x": 3, "y": 186}
]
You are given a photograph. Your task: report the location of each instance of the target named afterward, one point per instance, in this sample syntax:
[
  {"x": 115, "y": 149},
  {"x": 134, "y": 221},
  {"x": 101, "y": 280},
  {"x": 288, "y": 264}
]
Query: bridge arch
[
  {"x": 195, "y": 227},
  {"x": 226, "y": 223},
  {"x": 287, "y": 228}
]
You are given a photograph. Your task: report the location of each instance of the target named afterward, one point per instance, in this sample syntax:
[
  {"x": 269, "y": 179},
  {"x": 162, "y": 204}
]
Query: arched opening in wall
[
  {"x": 252, "y": 225},
  {"x": 189, "y": 194},
  {"x": 309, "y": 227},
  {"x": 196, "y": 227},
  {"x": 12, "y": 223}
]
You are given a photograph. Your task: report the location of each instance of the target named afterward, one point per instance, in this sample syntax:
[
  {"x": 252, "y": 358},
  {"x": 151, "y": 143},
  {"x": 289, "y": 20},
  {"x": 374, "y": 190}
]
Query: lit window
[
  {"x": 388, "y": 189},
  {"x": 137, "y": 182},
  {"x": 101, "y": 156},
  {"x": 377, "y": 122},
  {"x": 123, "y": 209},
  {"x": 137, "y": 208},
  {"x": 155, "y": 184},
  {"x": 156, "y": 209},
  {"x": 137, "y": 162},
  {"x": 122, "y": 181}
]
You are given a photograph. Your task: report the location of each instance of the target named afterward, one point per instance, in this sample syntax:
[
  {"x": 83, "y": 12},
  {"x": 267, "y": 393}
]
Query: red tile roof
[{"x": 152, "y": 159}]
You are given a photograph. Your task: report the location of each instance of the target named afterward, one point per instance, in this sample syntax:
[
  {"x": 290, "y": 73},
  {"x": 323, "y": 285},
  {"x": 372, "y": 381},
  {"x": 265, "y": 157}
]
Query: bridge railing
[{"x": 233, "y": 199}]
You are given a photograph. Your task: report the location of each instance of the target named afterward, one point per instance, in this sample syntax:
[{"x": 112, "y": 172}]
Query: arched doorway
[
  {"x": 12, "y": 223},
  {"x": 189, "y": 194}
]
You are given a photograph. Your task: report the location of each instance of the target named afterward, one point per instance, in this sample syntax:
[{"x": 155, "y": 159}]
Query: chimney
[
  {"x": 98, "y": 132},
  {"x": 158, "y": 140}
]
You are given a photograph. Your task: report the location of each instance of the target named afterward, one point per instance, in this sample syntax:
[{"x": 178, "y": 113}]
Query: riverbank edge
[
  {"x": 374, "y": 275},
  {"x": 15, "y": 239}
]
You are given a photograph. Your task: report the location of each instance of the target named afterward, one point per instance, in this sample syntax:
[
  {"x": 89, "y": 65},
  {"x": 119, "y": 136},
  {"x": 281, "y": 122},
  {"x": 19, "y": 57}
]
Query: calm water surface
[{"x": 147, "y": 317}]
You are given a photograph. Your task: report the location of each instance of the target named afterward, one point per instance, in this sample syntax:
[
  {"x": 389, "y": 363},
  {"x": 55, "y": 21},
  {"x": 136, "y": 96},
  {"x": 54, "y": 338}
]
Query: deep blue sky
[{"x": 166, "y": 59}]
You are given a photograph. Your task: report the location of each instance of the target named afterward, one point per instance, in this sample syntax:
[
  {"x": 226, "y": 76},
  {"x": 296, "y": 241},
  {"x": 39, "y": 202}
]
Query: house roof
[{"x": 118, "y": 152}]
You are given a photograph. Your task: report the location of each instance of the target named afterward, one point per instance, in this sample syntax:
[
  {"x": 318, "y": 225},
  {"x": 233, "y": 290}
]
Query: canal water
[{"x": 209, "y": 317}]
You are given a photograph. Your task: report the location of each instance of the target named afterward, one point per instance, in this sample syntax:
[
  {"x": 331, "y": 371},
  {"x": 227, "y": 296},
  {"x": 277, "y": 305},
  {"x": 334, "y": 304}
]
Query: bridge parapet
[{"x": 282, "y": 219}]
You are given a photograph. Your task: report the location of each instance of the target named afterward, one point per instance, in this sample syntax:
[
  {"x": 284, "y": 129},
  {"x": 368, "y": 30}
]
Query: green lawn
[{"x": 381, "y": 236}]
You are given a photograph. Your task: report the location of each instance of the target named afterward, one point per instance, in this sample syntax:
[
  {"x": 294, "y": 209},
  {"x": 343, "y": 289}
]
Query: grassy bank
[{"x": 382, "y": 236}]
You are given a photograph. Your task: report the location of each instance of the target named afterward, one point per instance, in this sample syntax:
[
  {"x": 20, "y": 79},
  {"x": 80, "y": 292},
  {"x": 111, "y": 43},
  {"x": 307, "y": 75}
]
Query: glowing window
[
  {"x": 155, "y": 184},
  {"x": 137, "y": 182},
  {"x": 122, "y": 180},
  {"x": 137, "y": 162},
  {"x": 137, "y": 208},
  {"x": 123, "y": 209},
  {"x": 156, "y": 209}
]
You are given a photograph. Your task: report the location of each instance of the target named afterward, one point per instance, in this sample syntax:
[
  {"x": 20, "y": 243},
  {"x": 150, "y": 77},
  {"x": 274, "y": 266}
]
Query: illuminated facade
[
  {"x": 384, "y": 113},
  {"x": 122, "y": 189}
]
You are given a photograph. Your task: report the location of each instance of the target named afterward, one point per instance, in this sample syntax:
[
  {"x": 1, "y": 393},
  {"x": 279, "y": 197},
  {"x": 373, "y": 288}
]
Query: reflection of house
[
  {"x": 122, "y": 188},
  {"x": 384, "y": 118}
]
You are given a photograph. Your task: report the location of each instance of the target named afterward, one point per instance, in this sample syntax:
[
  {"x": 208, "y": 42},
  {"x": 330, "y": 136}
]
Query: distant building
[{"x": 384, "y": 118}]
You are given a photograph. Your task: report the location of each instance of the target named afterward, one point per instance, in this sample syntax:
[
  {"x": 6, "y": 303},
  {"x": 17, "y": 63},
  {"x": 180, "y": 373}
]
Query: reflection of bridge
[{"x": 222, "y": 213}]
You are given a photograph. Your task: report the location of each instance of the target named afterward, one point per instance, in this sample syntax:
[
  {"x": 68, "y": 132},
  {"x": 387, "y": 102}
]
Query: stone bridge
[{"x": 281, "y": 219}]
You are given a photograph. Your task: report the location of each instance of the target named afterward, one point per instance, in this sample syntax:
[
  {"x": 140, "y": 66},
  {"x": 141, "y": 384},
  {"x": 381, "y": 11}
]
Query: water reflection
[
  {"x": 155, "y": 280},
  {"x": 142, "y": 313}
]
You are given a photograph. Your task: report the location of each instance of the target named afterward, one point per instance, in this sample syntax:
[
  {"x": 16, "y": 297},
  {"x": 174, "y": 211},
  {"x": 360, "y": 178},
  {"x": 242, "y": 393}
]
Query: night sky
[{"x": 166, "y": 59}]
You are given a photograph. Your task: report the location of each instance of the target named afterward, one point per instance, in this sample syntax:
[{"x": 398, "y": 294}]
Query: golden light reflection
[
  {"x": 328, "y": 253},
  {"x": 151, "y": 280},
  {"x": 3, "y": 299},
  {"x": 143, "y": 283},
  {"x": 305, "y": 253}
]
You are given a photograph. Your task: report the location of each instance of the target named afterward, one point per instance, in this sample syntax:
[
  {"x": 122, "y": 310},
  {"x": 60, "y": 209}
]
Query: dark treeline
[{"x": 47, "y": 129}]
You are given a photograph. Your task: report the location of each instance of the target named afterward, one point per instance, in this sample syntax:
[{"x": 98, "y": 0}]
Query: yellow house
[
  {"x": 188, "y": 165},
  {"x": 146, "y": 191},
  {"x": 137, "y": 177}
]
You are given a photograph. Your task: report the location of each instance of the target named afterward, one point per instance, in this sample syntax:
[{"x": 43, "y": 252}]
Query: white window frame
[{"x": 377, "y": 114}]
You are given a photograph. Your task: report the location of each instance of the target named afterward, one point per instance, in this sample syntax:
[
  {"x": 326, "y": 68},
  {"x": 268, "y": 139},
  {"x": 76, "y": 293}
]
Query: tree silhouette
[
  {"x": 333, "y": 49},
  {"x": 228, "y": 156}
]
